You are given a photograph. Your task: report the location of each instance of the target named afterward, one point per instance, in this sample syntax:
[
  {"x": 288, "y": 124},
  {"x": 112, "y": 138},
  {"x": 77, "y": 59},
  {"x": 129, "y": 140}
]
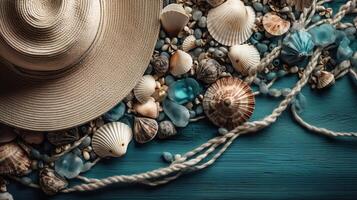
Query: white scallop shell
[
  {"x": 174, "y": 19},
  {"x": 189, "y": 43},
  {"x": 180, "y": 63},
  {"x": 148, "y": 109},
  {"x": 215, "y": 3},
  {"x": 145, "y": 88},
  {"x": 112, "y": 139},
  {"x": 244, "y": 57},
  {"x": 231, "y": 23}
]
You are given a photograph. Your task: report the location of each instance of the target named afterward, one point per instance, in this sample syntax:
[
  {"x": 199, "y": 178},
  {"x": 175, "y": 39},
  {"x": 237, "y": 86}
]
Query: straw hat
[{"x": 66, "y": 62}]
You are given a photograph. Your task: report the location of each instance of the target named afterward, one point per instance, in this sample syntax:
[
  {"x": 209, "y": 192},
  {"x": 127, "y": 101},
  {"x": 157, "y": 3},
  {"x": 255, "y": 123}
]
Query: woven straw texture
[{"x": 77, "y": 58}]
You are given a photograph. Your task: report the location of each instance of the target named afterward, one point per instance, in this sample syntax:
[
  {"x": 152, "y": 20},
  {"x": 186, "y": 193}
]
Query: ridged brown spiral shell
[{"x": 229, "y": 102}]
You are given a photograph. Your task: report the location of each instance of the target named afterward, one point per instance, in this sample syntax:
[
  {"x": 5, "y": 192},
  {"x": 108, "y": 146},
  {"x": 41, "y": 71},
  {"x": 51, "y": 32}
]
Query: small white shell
[
  {"x": 325, "y": 79},
  {"x": 174, "y": 19},
  {"x": 244, "y": 57},
  {"x": 111, "y": 140},
  {"x": 145, "y": 88},
  {"x": 215, "y": 3},
  {"x": 148, "y": 109},
  {"x": 180, "y": 63},
  {"x": 189, "y": 43},
  {"x": 231, "y": 23}
]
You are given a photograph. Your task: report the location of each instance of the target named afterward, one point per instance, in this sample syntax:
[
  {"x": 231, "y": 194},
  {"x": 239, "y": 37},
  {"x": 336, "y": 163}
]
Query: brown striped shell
[
  {"x": 145, "y": 129},
  {"x": 325, "y": 79},
  {"x": 51, "y": 183},
  {"x": 229, "y": 102},
  {"x": 13, "y": 160},
  {"x": 275, "y": 25}
]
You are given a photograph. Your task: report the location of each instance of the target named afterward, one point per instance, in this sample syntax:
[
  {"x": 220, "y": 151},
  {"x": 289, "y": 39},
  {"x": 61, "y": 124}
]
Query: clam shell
[
  {"x": 189, "y": 43},
  {"x": 229, "y": 102},
  {"x": 208, "y": 71},
  {"x": 13, "y": 160},
  {"x": 244, "y": 57},
  {"x": 231, "y": 23},
  {"x": 325, "y": 79},
  {"x": 51, "y": 183},
  {"x": 148, "y": 109},
  {"x": 112, "y": 139},
  {"x": 145, "y": 88},
  {"x": 215, "y": 3},
  {"x": 62, "y": 138},
  {"x": 145, "y": 129},
  {"x": 275, "y": 25},
  {"x": 173, "y": 19},
  {"x": 180, "y": 63}
]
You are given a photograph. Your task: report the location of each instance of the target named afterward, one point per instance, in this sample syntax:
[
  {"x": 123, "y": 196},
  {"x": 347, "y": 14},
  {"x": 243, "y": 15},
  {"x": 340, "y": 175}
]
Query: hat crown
[{"x": 47, "y": 35}]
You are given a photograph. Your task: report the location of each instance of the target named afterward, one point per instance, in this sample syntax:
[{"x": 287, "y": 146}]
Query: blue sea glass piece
[
  {"x": 178, "y": 114},
  {"x": 184, "y": 90},
  {"x": 297, "y": 47},
  {"x": 115, "y": 113},
  {"x": 344, "y": 51},
  {"x": 340, "y": 36},
  {"x": 69, "y": 166},
  {"x": 323, "y": 35}
]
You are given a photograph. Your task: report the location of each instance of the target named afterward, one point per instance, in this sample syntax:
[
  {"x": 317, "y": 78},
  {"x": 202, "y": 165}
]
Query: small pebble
[
  {"x": 285, "y": 92},
  {"x": 271, "y": 75},
  {"x": 281, "y": 73},
  {"x": 86, "y": 155},
  {"x": 35, "y": 154},
  {"x": 196, "y": 15},
  {"x": 159, "y": 44},
  {"x": 262, "y": 48},
  {"x": 274, "y": 92},
  {"x": 26, "y": 180},
  {"x": 202, "y": 23},
  {"x": 168, "y": 157},
  {"x": 198, "y": 33},
  {"x": 85, "y": 143},
  {"x": 177, "y": 156},
  {"x": 40, "y": 164},
  {"x": 199, "y": 110},
  {"x": 192, "y": 114},
  {"x": 169, "y": 79},
  {"x": 218, "y": 53},
  {"x": 294, "y": 70},
  {"x": 222, "y": 131},
  {"x": 258, "y": 6},
  {"x": 263, "y": 88}
]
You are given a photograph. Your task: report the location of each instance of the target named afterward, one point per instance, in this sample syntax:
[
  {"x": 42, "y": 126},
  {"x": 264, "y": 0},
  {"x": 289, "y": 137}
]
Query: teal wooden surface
[{"x": 281, "y": 162}]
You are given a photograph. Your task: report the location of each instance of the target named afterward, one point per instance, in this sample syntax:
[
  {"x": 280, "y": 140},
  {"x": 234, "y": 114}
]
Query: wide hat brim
[{"x": 102, "y": 79}]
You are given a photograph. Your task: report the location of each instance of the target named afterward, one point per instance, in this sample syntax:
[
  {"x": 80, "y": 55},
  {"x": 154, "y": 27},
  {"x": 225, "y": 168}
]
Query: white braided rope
[{"x": 190, "y": 161}]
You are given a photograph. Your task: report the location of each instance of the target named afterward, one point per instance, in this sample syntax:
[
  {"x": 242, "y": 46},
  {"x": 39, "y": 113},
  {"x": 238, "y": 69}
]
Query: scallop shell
[
  {"x": 231, "y": 23},
  {"x": 325, "y": 79},
  {"x": 51, "y": 183},
  {"x": 13, "y": 160},
  {"x": 161, "y": 64},
  {"x": 300, "y": 4},
  {"x": 112, "y": 139},
  {"x": 145, "y": 129},
  {"x": 209, "y": 70},
  {"x": 174, "y": 19},
  {"x": 180, "y": 63},
  {"x": 145, "y": 88},
  {"x": 148, "y": 109},
  {"x": 275, "y": 25},
  {"x": 229, "y": 102},
  {"x": 244, "y": 57},
  {"x": 189, "y": 43},
  {"x": 215, "y": 3}
]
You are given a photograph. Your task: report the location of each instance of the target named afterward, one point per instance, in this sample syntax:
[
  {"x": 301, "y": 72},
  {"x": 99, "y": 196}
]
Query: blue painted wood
[{"x": 281, "y": 162}]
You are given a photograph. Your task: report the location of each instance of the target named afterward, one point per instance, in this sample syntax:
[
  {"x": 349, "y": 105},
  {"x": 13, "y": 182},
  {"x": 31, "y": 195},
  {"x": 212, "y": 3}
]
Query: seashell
[
  {"x": 209, "y": 70},
  {"x": 300, "y": 4},
  {"x": 189, "y": 43},
  {"x": 275, "y": 25},
  {"x": 166, "y": 129},
  {"x": 112, "y": 139},
  {"x": 6, "y": 134},
  {"x": 325, "y": 79},
  {"x": 13, "y": 160},
  {"x": 51, "y": 182},
  {"x": 173, "y": 19},
  {"x": 145, "y": 88},
  {"x": 145, "y": 129},
  {"x": 31, "y": 137},
  {"x": 148, "y": 109},
  {"x": 231, "y": 23},
  {"x": 62, "y": 138},
  {"x": 161, "y": 64},
  {"x": 244, "y": 57},
  {"x": 297, "y": 47},
  {"x": 6, "y": 196},
  {"x": 215, "y": 3},
  {"x": 180, "y": 63},
  {"x": 229, "y": 102}
]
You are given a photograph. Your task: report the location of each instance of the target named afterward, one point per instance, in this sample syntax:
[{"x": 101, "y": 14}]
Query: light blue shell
[{"x": 297, "y": 47}]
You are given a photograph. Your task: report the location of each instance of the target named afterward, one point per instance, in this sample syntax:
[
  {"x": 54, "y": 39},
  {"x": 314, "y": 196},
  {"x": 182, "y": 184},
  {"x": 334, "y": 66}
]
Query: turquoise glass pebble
[
  {"x": 262, "y": 48},
  {"x": 271, "y": 75},
  {"x": 344, "y": 51},
  {"x": 263, "y": 88},
  {"x": 169, "y": 80},
  {"x": 69, "y": 166},
  {"x": 297, "y": 47},
  {"x": 258, "y": 6},
  {"x": 258, "y": 36},
  {"x": 184, "y": 90},
  {"x": 115, "y": 113},
  {"x": 178, "y": 114},
  {"x": 323, "y": 35},
  {"x": 222, "y": 131},
  {"x": 168, "y": 157}
]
